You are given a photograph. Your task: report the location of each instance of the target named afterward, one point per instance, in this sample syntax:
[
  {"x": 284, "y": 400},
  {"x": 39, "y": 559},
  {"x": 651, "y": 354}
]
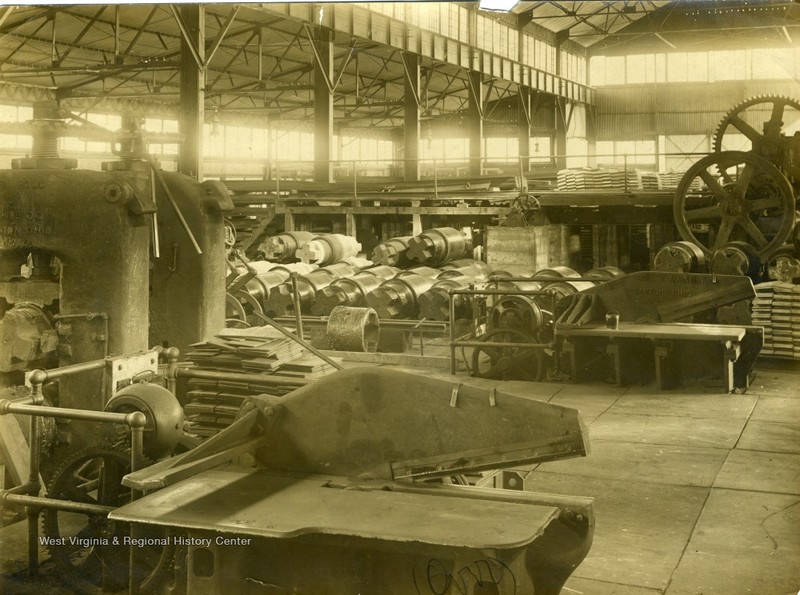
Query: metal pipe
[
  {"x": 33, "y": 481},
  {"x": 495, "y": 292},
  {"x": 298, "y": 315},
  {"x": 238, "y": 377},
  {"x": 452, "y": 304},
  {"x": 500, "y": 344},
  {"x": 172, "y": 354},
  {"x": 41, "y": 376},
  {"x": 302, "y": 342},
  {"x": 55, "y": 504},
  {"x": 130, "y": 419}
]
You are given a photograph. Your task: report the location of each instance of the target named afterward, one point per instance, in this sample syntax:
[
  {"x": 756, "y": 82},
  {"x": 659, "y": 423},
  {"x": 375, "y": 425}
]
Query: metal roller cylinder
[
  {"x": 328, "y": 248},
  {"x": 736, "y": 258},
  {"x": 434, "y": 304},
  {"x": 465, "y": 266},
  {"x": 349, "y": 291},
  {"x": 281, "y": 299},
  {"x": 358, "y": 262},
  {"x": 679, "y": 257},
  {"x": 424, "y": 271},
  {"x": 259, "y": 266},
  {"x": 563, "y": 289},
  {"x": 353, "y": 329},
  {"x": 438, "y": 246},
  {"x": 604, "y": 273},
  {"x": 262, "y": 284},
  {"x": 556, "y": 273},
  {"x": 398, "y": 297},
  {"x": 284, "y": 246},
  {"x": 382, "y": 271},
  {"x": 392, "y": 252}
]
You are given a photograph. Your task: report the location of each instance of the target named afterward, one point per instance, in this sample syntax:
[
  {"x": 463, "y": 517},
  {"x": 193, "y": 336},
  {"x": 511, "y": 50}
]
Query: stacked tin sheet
[
  {"x": 256, "y": 351},
  {"x": 777, "y": 309}
]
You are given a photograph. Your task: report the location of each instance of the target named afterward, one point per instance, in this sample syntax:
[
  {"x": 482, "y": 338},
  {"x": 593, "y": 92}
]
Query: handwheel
[
  {"x": 741, "y": 197},
  {"x": 498, "y": 362}
]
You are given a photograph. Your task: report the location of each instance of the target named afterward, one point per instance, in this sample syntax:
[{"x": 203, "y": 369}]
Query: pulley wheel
[
  {"x": 496, "y": 361},
  {"x": 516, "y": 312},
  {"x": 742, "y": 197}
]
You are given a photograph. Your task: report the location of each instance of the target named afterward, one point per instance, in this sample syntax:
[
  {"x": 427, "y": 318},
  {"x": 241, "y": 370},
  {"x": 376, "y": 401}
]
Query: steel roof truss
[{"x": 80, "y": 35}]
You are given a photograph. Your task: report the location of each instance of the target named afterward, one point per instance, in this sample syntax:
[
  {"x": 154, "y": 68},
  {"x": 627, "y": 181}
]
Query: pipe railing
[
  {"x": 27, "y": 494},
  {"x": 455, "y": 342}
]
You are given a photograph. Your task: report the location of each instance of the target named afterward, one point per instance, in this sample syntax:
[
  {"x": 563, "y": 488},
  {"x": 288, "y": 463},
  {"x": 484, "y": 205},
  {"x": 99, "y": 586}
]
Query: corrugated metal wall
[{"x": 639, "y": 111}]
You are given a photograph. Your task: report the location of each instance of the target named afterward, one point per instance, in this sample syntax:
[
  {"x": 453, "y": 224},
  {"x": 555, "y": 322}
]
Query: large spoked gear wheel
[
  {"x": 91, "y": 476},
  {"x": 495, "y": 361},
  {"x": 741, "y": 197},
  {"x": 83, "y": 545},
  {"x": 761, "y": 120}
]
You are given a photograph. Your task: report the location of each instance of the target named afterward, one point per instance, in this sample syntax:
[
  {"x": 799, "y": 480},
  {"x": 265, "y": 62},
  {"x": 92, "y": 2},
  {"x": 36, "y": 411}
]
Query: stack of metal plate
[{"x": 777, "y": 308}]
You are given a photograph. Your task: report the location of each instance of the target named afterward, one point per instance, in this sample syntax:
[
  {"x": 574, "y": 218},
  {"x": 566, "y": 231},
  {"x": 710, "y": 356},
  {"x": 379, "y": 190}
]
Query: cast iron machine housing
[
  {"x": 348, "y": 491},
  {"x": 100, "y": 265}
]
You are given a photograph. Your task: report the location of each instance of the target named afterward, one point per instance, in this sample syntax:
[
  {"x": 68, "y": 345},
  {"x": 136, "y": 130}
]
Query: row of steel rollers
[{"x": 732, "y": 258}]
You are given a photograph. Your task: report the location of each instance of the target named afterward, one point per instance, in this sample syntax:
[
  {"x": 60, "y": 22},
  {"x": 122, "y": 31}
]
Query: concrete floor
[{"x": 696, "y": 492}]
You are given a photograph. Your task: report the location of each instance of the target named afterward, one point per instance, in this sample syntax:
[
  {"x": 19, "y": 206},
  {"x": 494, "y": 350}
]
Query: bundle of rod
[
  {"x": 392, "y": 252},
  {"x": 465, "y": 266},
  {"x": 328, "y": 248},
  {"x": 434, "y": 304},
  {"x": 437, "y": 246},
  {"x": 398, "y": 297},
  {"x": 353, "y": 329},
  {"x": 284, "y": 246},
  {"x": 268, "y": 277},
  {"x": 679, "y": 257},
  {"x": 351, "y": 291},
  {"x": 281, "y": 299}
]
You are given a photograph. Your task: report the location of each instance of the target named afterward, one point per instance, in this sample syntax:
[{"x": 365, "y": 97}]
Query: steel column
[
  {"x": 411, "y": 128},
  {"x": 475, "y": 122},
  {"x": 192, "y": 99},
  {"x": 561, "y": 133},
  {"x": 323, "y": 107},
  {"x": 524, "y": 128}
]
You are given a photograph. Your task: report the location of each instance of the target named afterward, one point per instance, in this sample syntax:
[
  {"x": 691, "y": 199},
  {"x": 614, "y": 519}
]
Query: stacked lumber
[
  {"x": 777, "y": 309},
  {"x": 212, "y": 405}
]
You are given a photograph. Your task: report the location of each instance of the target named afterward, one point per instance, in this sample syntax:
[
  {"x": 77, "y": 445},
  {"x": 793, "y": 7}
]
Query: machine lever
[{"x": 171, "y": 199}]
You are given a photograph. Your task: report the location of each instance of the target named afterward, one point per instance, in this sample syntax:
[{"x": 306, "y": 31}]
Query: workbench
[{"x": 638, "y": 351}]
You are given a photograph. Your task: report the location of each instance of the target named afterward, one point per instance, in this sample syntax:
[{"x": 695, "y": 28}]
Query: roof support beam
[
  {"x": 222, "y": 33},
  {"x": 80, "y": 35},
  {"x": 187, "y": 39}
]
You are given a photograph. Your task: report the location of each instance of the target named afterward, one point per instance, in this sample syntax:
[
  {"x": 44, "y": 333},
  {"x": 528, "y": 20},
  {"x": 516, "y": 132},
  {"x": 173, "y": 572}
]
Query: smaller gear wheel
[{"x": 761, "y": 119}]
